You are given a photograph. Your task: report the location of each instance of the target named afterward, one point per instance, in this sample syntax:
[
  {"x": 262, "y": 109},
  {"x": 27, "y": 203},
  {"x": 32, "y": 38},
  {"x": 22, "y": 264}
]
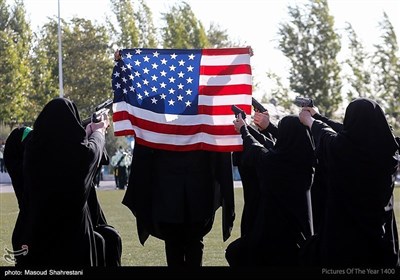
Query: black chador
[
  {"x": 59, "y": 167},
  {"x": 249, "y": 178},
  {"x": 283, "y": 218},
  {"x": 174, "y": 196},
  {"x": 13, "y": 159},
  {"x": 359, "y": 227}
]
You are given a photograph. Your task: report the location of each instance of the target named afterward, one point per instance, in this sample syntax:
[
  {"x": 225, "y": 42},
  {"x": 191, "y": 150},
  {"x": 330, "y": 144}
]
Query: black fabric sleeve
[
  {"x": 336, "y": 126},
  {"x": 251, "y": 147},
  {"x": 264, "y": 140},
  {"x": 323, "y": 135},
  {"x": 272, "y": 130},
  {"x": 248, "y": 139},
  {"x": 96, "y": 143}
]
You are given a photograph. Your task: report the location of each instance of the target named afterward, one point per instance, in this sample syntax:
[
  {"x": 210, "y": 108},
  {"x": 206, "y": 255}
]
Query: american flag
[{"x": 180, "y": 99}]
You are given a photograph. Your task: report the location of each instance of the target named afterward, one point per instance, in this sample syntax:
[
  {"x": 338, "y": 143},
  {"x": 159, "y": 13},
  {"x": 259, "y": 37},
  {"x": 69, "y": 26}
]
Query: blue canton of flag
[{"x": 159, "y": 80}]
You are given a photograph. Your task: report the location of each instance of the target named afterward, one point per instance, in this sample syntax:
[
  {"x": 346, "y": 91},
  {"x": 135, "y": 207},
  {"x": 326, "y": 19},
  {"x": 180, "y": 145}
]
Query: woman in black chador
[
  {"x": 60, "y": 162},
  {"x": 359, "y": 227},
  {"x": 265, "y": 133},
  {"x": 174, "y": 196},
  {"x": 13, "y": 159},
  {"x": 284, "y": 217}
]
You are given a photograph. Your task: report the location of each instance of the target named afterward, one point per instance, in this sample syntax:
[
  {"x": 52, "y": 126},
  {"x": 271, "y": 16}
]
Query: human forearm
[{"x": 336, "y": 126}]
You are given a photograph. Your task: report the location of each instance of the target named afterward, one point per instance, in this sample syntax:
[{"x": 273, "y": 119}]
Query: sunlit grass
[{"x": 119, "y": 216}]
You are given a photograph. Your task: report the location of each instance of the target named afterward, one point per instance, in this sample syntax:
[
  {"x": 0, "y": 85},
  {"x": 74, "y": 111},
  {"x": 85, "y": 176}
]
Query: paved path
[
  {"x": 5, "y": 183},
  {"x": 106, "y": 184}
]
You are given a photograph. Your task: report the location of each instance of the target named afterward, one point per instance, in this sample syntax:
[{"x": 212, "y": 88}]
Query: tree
[
  {"x": 183, "y": 29},
  {"x": 128, "y": 36},
  {"x": 218, "y": 38},
  {"x": 45, "y": 66},
  {"x": 4, "y": 15},
  {"x": 311, "y": 45},
  {"x": 135, "y": 24},
  {"x": 87, "y": 65},
  {"x": 147, "y": 30},
  {"x": 386, "y": 64},
  {"x": 359, "y": 77},
  {"x": 279, "y": 94},
  {"x": 15, "y": 44}
]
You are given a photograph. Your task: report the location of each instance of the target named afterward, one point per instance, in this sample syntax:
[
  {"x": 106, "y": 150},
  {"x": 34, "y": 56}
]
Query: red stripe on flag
[
  {"x": 125, "y": 132},
  {"x": 225, "y": 70},
  {"x": 197, "y": 146},
  {"x": 222, "y": 110},
  {"x": 225, "y": 90},
  {"x": 227, "y": 51}
]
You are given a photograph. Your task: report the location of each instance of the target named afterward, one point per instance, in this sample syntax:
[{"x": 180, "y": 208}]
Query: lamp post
[{"x": 60, "y": 72}]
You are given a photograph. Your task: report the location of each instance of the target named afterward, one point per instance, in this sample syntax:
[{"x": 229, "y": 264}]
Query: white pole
[{"x": 60, "y": 72}]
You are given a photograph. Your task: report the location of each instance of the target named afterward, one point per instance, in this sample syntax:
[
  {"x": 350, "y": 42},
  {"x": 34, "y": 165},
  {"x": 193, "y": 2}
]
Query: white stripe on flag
[{"x": 225, "y": 80}]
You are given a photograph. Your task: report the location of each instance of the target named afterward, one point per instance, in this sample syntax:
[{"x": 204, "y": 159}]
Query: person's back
[
  {"x": 59, "y": 168},
  {"x": 283, "y": 218},
  {"x": 13, "y": 159},
  {"x": 319, "y": 186},
  {"x": 359, "y": 227},
  {"x": 266, "y": 135},
  {"x": 174, "y": 196}
]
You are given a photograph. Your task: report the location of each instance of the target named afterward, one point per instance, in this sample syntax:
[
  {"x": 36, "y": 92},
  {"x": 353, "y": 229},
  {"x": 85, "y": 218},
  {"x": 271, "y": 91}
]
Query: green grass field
[
  {"x": 134, "y": 254},
  {"x": 119, "y": 216}
]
